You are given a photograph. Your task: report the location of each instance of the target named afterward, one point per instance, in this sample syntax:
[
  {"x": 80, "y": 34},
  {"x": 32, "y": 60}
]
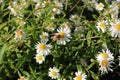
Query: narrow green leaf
[{"x": 2, "y": 53}]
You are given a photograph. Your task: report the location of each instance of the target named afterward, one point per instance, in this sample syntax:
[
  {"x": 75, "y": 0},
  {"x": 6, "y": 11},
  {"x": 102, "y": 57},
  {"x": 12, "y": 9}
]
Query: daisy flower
[
  {"x": 20, "y": 21},
  {"x": 54, "y": 73},
  {"x": 75, "y": 18},
  {"x": 66, "y": 24},
  {"x": 23, "y": 3},
  {"x": 58, "y": 6},
  {"x": 43, "y": 48},
  {"x": 40, "y": 58},
  {"x": 51, "y": 27},
  {"x": 15, "y": 9},
  {"x": 105, "y": 65},
  {"x": 99, "y": 6},
  {"x": 22, "y": 78},
  {"x": 80, "y": 76},
  {"x": 105, "y": 55},
  {"x": 101, "y": 25},
  {"x": 44, "y": 36},
  {"x": 64, "y": 35},
  {"x": 45, "y": 3},
  {"x": 115, "y": 29},
  {"x": 19, "y": 34},
  {"x": 114, "y": 11},
  {"x": 38, "y": 9}
]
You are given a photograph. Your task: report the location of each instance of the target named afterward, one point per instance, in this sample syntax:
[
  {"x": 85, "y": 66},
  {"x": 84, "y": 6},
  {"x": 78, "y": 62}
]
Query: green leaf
[
  {"x": 2, "y": 53},
  {"x": 88, "y": 38}
]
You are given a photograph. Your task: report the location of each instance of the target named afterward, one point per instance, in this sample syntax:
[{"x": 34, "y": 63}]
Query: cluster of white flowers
[
  {"x": 105, "y": 60},
  {"x": 42, "y": 48},
  {"x": 16, "y": 8},
  {"x": 56, "y": 5}
]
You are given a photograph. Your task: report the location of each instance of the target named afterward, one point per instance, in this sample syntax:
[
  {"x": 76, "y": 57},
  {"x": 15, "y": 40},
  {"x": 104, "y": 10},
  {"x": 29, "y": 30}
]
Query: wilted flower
[
  {"x": 19, "y": 34},
  {"x": 105, "y": 65}
]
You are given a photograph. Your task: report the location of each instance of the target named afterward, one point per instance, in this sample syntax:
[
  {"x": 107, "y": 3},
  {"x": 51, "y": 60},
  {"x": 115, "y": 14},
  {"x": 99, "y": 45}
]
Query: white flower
[
  {"x": 80, "y": 76},
  {"x": 22, "y": 78},
  {"x": 66, "y": 24},
  {"x": 40, "y": 58},
  {"x": 105, "y": 55},
  {"x": 45, "y": 3},
  {"x": 99, "y": 6},
  {"x": 51, "y": 27},
  {"x": 114, "y": 11},
  {"x": 38, "y": 9},
  {"x": 58, "y": 6},
  {"x": 64, "y": 35},
  {"x": 115, "y": 29},
  {"x": 43, "y": 48},
  {"x": 101, "y": 25},
  {"x": 44, "y": 36},
  {"x": 105, "y": 65},
  {"x": 54, "y": 73},
  {"x": 19, "y": 34},
  {"x": 1, "y": 1},
  {"x": 75, "y": 18},
  {"x": 15, "y": 9}
]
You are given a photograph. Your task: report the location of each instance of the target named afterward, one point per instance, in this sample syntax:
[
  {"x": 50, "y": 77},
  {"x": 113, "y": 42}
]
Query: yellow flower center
[
  {"x": 47, "y": 3},
  {"x": 105, "y": 55},
  {"x": 39, "y": 57},
  {"x": 100, "y": 5},
  {"x": 118, "y": 4},
  {"x": 53, "y": 73},
  {"x": 42, "y": 46},
  {"x": 62, "y": 34},
  {"x": 104, "y": 63},
  {"x": 19, "y": 33},
  {"x": 16, "y": 9},
  {"x": 57, "y": 6},
  {"x": 75, "y": 18},
  {"x": 22, "y": 4},
  {"x": 79, "y": 77},
  {"x": 117, "y": 26},
  {"x": 39, "y": 10},
  {"x": 21, "y": 78},
  {"x": 102, "y": 25},
  {"x": 43, "y": 36}
]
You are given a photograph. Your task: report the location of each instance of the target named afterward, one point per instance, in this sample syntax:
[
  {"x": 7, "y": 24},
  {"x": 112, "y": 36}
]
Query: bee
[{"x": 56, "y": 37}]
